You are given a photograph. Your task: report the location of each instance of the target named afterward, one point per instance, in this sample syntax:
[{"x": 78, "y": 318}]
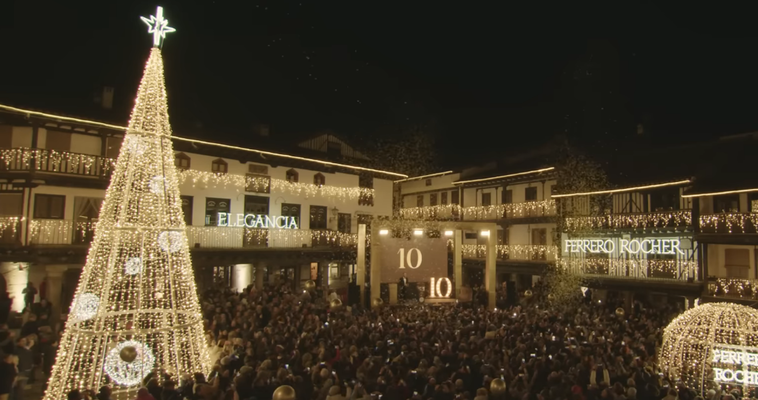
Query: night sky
[{"x": 487, "y": 76}]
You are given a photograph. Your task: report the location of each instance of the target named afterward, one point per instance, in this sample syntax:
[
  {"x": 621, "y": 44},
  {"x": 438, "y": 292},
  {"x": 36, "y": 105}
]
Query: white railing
[
  {"x": 239, "y": 237},
  {"x": 632, "y": 269},
  {"x": 512, "y": 252}
]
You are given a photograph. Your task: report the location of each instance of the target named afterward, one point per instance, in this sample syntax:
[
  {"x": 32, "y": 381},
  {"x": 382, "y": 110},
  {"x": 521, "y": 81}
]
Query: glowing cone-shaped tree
[{"x": 136, "y": 308}]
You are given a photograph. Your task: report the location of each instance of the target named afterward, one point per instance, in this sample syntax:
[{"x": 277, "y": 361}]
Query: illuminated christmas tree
[{"x": 136, "y": 308}]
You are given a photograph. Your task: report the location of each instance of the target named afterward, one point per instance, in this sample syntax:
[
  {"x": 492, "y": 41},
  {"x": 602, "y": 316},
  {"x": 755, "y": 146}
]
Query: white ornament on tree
[
  {"x": 157, "y": 185},
  {"x": 136, "y": 145},
  {"x": 85, "y": 307},
  {"x": 129, "y": 373},
  {"x": 133, "y": 266},
  {"x": 170, "y": 241}
]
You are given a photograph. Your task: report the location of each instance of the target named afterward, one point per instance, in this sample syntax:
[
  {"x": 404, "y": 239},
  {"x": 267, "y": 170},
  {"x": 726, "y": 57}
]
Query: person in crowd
[
  {"x": 403, "y": 286},
  {"x": 29, "y": 293},
  {"x": 104, "y": 393},
  {"x": 8, "y": 374}
]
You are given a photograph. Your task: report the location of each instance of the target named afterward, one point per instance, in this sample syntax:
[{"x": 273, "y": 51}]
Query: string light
[
  {"x": 129, "y": 373},
  {"x": 263, "y": 184},
  {"x": 498, "y": 211},
  {"x": 693, "y": 340},
  {"x": 55, "y": 161},
  {"x": 237, "y": 237},
  {"x": 671, "y": 219},
  {"x": 731, "y": 221},
  {"x": 134, "y": 222},
  {"x": 10, "y": 223},
  {"x": 631, "y": 268},
  {"x": 57, "y": 231},
  {"x": 733, "y": 287},
  {"x": 511, "y": 251}
]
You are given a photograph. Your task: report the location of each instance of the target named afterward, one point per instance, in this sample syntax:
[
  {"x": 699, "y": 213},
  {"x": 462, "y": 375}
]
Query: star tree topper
[{"x": 158, "y": 26}]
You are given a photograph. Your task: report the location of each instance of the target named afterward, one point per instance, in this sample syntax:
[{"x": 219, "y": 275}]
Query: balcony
[
  {"x": 218, "y": 237},
  {"x": 529, "y": 209},
  {"x": 729, "y": 223},
  {"x": 512, "y": 252},
  {"x": 60, "y": 231},
  {"x": 638, "y": 221},
  {"x": 661, "y": 270},
  {"x": 53, "y": 161},
  {"x": 10, "y": 230},
  {"x": 734, "y": 288}
]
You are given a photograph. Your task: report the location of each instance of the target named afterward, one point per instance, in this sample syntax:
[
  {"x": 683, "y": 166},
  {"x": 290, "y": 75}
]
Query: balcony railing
[
  {"x": 240, "y": 237},
  {"x": 45, "y": 160},
  {"x": 632, "y": 269},
  {"x": 729, "y": 223},
  {"x": 731, "y": 287},
  {"x": 512, "y": 252},
  {"x": 499, "y": 211},
  {"x": 654, "y": 220},
  {"x": 60, "y": 231}
]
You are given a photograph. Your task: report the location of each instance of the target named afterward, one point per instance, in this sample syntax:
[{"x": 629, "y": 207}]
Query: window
[
  {"x": 182, "y": 161},
  {"x": 664, "y": 199},
  {"x": 737, "y": 263},
  {"x": 530, "y": 194},
  {"x": 366, "y": 181},
  {"x": 428, "y": 182},
  {"x": 433, "y": 199},
  {"x": 507, "y": 196},
  {"x": 11, "y": 204},
  {"x": 344, "y": 223},
  {"x": 60, "y": 141},
  {"x": 292, "y": 176},
  {"x": 219, "y": 166},
  {"x": 257, "y": 169},
  {"x": 187, "y": 209},
  {"x": 49, "y": 206},
  {"x": 752, "y": 201},
  {"x": 420, "y": 200},
  {"x": 257, "y": 183},
  {"x": 213, "y": 207},
  {"x": 454, "y": 197},
  {"x": 443, "y": 198},
  {"x": 726, "y": 203},
  {"x": 6, "y": 136},
  {"x": 486, "y": 199},
  {"x": 291, "y": 210},
  {"x": 318, "y": 217},
  {"x": 257, "y": 205},
  {"x": 319, "y": 179},
  {"x": 113, "y": 146}
]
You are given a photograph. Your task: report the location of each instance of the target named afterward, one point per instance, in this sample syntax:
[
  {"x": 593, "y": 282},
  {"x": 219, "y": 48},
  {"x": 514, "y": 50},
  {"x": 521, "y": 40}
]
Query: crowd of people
[{"x": 264, "y": 338}]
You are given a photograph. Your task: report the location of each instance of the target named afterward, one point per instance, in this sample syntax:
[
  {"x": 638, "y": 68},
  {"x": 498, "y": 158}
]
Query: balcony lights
[{"x": 629, "y": 189}]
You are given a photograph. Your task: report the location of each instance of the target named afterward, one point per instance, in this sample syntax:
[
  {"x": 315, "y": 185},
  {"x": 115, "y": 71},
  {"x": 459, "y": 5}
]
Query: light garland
[
  {"x": 12, "y": 224},
  {"x": 745, "y": 223},
  {"x": 46, "y": 160},
  {"x": 695, "y": 340},
  {"x": 85, "y": 307},
  {"x": 632, "y": 268},
  {"x": 732, "y": 287},
  {"x": 493, "y": 212},
  {"x": 156, "y": 185},
  {"x": 671, "y": 219},
  {"x": 134, "y": 222},
  {"x": 129, "y": 373},
  {"x": 242, "y": 183},
  {"x": 512, "y": 251},
  {"x": 238, "y": 237},
  {"x": 57, "y": 231}
]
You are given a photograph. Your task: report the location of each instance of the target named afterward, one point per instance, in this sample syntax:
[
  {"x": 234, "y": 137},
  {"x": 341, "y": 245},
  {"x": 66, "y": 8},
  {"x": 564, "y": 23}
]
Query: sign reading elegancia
[
  {"x": 734, "y": 365},
  {"x": 624, "y": 246},
  {"x": 257, "y": 221}
]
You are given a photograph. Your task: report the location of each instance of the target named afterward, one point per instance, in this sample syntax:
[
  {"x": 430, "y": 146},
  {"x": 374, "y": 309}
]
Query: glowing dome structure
[{"x": 710, "y": 345}]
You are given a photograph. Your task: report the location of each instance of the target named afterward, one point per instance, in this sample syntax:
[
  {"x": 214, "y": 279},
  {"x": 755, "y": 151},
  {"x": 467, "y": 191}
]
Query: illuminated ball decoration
[
  {"x": 284, "y": 392},
  {"x": 125, "y": 372},
  {"x": 157, "y": 184},
  {"x": 710, "y": 345},
  {"x": 497, "y": 387},
  {"x": 377, "y": 302},
  {"x": 528, "y": 294},
  {"x": 135, "y": 145},
  {"x": 170, "y": 241},
  {"x": 620, "y": 312},
  {"x": 133, "y": 266},
  {"x": 335, "y": 304},
  {"x": 85, "y": 307},
  {"x": 310, "y": 285}
]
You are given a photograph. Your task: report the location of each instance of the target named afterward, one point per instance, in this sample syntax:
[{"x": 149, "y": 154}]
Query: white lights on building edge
[
  {"x": 129, "y": 373},
  {"x": 133, "y": 266},
  {"x": 85, "y": 307}
]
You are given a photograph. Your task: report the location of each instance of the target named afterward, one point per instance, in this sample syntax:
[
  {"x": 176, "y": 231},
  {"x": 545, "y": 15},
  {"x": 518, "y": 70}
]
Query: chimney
[{"x": 107, "y": 101}]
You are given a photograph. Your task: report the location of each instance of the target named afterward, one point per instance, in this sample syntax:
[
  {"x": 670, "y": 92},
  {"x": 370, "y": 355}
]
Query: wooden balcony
[
  {"x": 671, "y": 220},
  {"x": 729, "y": 223},
  {"x": 53, "y": 161},
  {"x": 733, "y": 288},
  {"x": 660, "y": 270},
  {"x": 512, "y": 252},
  {"x": 529, "y": 209}
]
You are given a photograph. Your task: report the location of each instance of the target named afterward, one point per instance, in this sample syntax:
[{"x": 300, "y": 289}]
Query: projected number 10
[{"x": 407, "y": 258}]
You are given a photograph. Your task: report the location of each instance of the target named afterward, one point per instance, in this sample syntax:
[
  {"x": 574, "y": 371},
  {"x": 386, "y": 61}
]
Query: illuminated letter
[
  {"x": 222, "y": 221},
  {"x": 240, "y": 220},
  {"x": 655, "y": 244},
  {"x": 258, "y": 221},
  {"x": 610, "y": 246},
  {"x": 567, "y": 245},
  {"x": 431, "y": 286},
  {"x": 666, "y": 246},
  {"x": 292, "y": 224},
  {"x": 269, "y": 222},
  {"x": 632, "y": 244},
  {"x": 675, "y": 245},
  {"x": 585, "y": 246},
  {"x": 249, "y": 216},
  {"x": 716, "y": 356},
  {"x": 439, "y": 287},
  {"x": 624, "y": 246}
]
